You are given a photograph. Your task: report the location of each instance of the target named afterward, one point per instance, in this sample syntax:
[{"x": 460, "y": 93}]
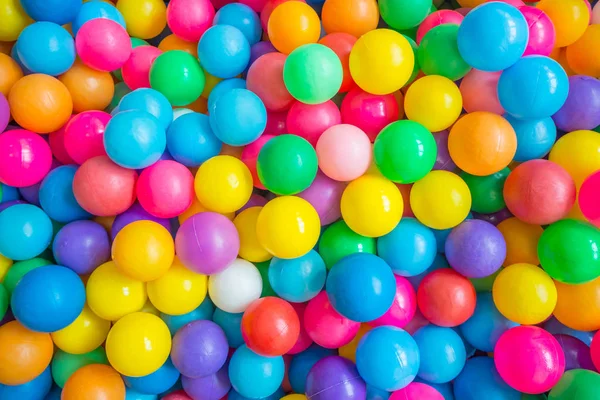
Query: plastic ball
[
  {"x": 293, "y": 24},
  {"x": 231, "y": 325},
  {"x": 344, "y": 152},
  {"x": 583, "y": 143},
  {"x": 93, "y": 381},
  {"x": 11, "y": 73},
  {"x": 577, "y": 353},
  {"x": 571, "y": 117},
  {"x": 369, "y": 112},
  {"x": 103, "y": 44},
  {"x": 145, "y": 19},
  {"x": 136, "y": 69},
  {"x": 321, "y": 116},
  {"x": 438, "y": 18},
  {"x": 203, "y": 311},
  {"x": 265, "y": 79},
  {"x": 132, "y": 214},
  {"x": 155, "y": 383},
  {"x": 535, "y": 137},
  {"x": 521, "y": 241},
  {"x": 250, "y": 248},
  {"x": 433, "y": 101},
  {"x": 354, "y": 18},
  {"x": 577, "y": 384},
  {"x": 486, "y": 191},
  {"x": 25, "y": 231},
  {"x": 335, "y": 378},
  {"x": 178, "y": 76},
  {"x": 83, "y": 135},
  {"x": 242, "y": 17},
  {"x": 190, "y": 19},
  {"x": 238, "y": 118},
  {"x": 298, "y": 279},
  {"x": 224, "y": 51},
  {"x": 404, "y": 14},
  {"x": 479, "y": 379},
  {"x": 96, "y": 9},
  {"x": 254, "y": 375},
  {"x": 56, "y": 195},
  {"x": 580, "y": 60},
  {"x": 191, "y": 141},
  {"x": 46, "y": 48},
  {"x": 26, "y": 158},
  {"x": 584, "y": 299},
  {"x": 442, "y": 353},
  {"x": 403, "y": 307},
  {"x": 302, "y": 363},
  {"x": 199, "y": 349},
  {"x": 35, "y": 388},
  {"x": 326, "y": 326},
  {"x": 542, "y": 35},
  {"x": 338, "y": 241},
  {"x": 324, "y": 195},
  {"x": 417, "y": 390},
  {"x": 15, "y": 20},
  {"x": 236, "y": 287},
  {"x": 438, "y": 53},
  {"x": 213, "y": 386},
  {"x": 479, "y": 91},
  {"x": 173, "y": 42},
  {"x": 18, "y": 270},
  {"x": 90, "y": 89},
  {"x": 223, "y": 87},
  {"x": 86, "y": 333},
  {"x": 570, "y": 19},
  {"x": 587, "y": 193},
  {"x": 341, "y": 44},
  {"x": 150, "y": 101}
]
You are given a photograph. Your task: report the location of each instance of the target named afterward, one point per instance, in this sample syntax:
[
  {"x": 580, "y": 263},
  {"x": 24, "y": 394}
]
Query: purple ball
[
  {"x": 443, "y": 160},
  {"x": 199, "y": 349},
  {"x": 577, "y": 353},
  {"x": 207, "y": 243},
  {"x": 325, "y": 195},
  {"x": 256, "y": 200},
  {"x": 582, "y": 108},
  {"x": 136, "y": 213},
  {"x": 81, "y": 246},
  {"x": 4, "y": 113},
  {"x": 211, "y": 387},
  {"x": 475, "y": 248},
  {"x": 335, "y": 378},
  {"x": 6, "y": 204},
  {"x": 494, "y": 218},
  {"x": 260, "y": 49}
]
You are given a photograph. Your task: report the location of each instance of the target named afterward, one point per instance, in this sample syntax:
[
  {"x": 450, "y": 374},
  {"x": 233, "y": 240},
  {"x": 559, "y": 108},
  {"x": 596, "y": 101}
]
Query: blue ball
[
  {"x": 58, "y": 11},
  {"x": 96, "y": 9},
  {"x": 233, "y": 395},
  {"x": 298, "y": 279},
  {"x": 377, "y": 394},
  {"x": 57, "y": 198},
  {"x": 535, "y": 87},
  {"x": 157, "y": 382},
  {"x": 131, "y": 394},
  {"x": 54, "y": 394},
  {"x": 9, "y": 193},
  {"x": 203, "y": 312},
  {"x": 486, "y": 325},
  {"x": 253, "y": 375},
  {"x": 535, "y": 137},
  {"x": 134, "y": 139},
  {"x": 409, "y": 249},
  {"x": 239, "y": 117},
  {"x": 191, "y": 141},
  {"x": 151, "y": 101},
  {"x": 493, "y": 36},
  {"x": 442, "y": 351},
  {"x": 46, "y": 48},
  {"x": 15, "y": 56},
  {"x": 302, "y": 363},
  {"x": 445, "y": 389},
  {"x": 241, "y": 17},
  {"x": 223, "y": 51},
  {"x": 223, "y": 87},
  {"x": 480, "y": 380},
  {"x": 37, "y": 388},
  {"x": 232, "y": 326},
  {"x": 25, "y": 232},
  {"x": 48, "y": 298}
]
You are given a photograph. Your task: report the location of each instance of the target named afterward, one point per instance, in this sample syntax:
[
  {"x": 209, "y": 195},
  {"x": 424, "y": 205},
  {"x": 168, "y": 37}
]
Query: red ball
[
  {"x": 304, "y": 341},
  {"x": 57, "y": 145},
  {"x": 270, "y": 326},
  {"x": 84, "y": 135},
  {"x": 265, "y": 79},
  {"x": 342, "y": 43},
  {"x": 311, "y": 120},
  {"x": 250, "y": 155},
  {"x": 446, "y": 298},
  {"x": 595, "y": 350},
  {"x": 136, "y": 70},
  {"x": 178, "y": 395},
  {"x": 369, "y": 112},
  {"x": 325, "y": 326},
  {"x": 276, "y": 123},
  {"x": 104, "y": 188},
  {"x": 539, "y": 192}
]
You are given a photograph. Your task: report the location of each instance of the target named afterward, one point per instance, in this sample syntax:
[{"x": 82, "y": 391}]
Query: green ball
[
  {"x": 287, "y": 164},
  {"x": 404, "y": 14},
  {"x": 577, "y": 384},
  {"x": 486, "y": 191},
  {"x": 438, "y": 53},
  {"x": 267, "y": 289},
  {"x": 19, "y": 269},
  {"x": 569, "y": 251},
  {"x": 405, "y": 151},
  {"x": 417, "y": 66},
  {"x": 121, "y": 89},
  {"x": 484, "y": 284},
  {"x": 179, "y": 76},
  {"x": 65, "y": 364},
  {"x": 3, "y": 301},
  {"x": 0, "y": 193},
  {"x": 339, "y": 241},
  {"x": 313, "y": 73}
]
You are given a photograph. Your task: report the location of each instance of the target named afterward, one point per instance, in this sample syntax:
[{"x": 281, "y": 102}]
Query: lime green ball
[
  {"x": 0, "y": 193},
  {"x": 486, "y": 191},
  {"x": 3, "y": 301},
  {"x": 65, "y": 364},
  {"x": 404, "y": 14},
  {"x": 438, "y": 53},
  {"x": 417, "y": 67},
  {"x": 19, "y": 269},
  {"x": 121, "y": 89},
  {"x": 267, "y": 290},
  {"x": 313, "y": 73},
  {"x": 484, "y": 284},
  {"x": 179, "y": 76},
  {"x": 576, "y": 384},
  {"x": 339, "y": 241}
]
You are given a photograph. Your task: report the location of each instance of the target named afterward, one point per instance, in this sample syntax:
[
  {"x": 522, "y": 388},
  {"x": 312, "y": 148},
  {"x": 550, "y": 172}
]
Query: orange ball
[
  {"x": 173, "y": 42},
  {"x": 482, "y": 143},
  {"x": 90, "y": 89},
  {"x": 266, "y": 12},
  {"x": 10, "y": 73},
  {"x": 200, "y": 105},
  {"x": 94, "y": 382},
  {"x": 6, "y": 47},
  {"x": 293, "y": 24},
  {"x": 341, "y": 44},
  {"x": 24, "y": 354},
  {"x": 521, "y": 241},
  {"x": 559, "y": 54},
  {"x": 355, "y": 17},
  {"x": 583, "y": 56},
  {"x": 578, "y": 306},
  {"x": 40, "y": 103},
  {"x": 570, "y": 19}
]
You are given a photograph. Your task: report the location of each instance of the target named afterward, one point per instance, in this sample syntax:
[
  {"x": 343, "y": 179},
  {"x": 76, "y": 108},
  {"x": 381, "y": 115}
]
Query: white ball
[
  {"x": 236, "y": 287},
  {"x": 596, "y": 14}
]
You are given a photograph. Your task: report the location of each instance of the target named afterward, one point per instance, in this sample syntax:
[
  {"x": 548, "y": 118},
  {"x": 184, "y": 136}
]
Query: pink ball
[
  {"x": 344, "y": 152},
  {"x": 189, "y": 19},
  {"x": 438, "y": 18},
  {"x": 136, "y": 71},
  {"x": 416, "y": 323},
  {"x": 529, "y": 359},
  {"x": 103, "y": 44},
  {"x": 265, "y": 79},
  {"x": 369, "y": 112},
  {"x": 311, "y": 120},
  {"x": 26, "y": 158},
  {"x": 84, "y": 135},
  {"x": 417, "y": 391},
  {"x": 403, "y": 308},
  {"x": 165, "y": 189},
  {"x": 479, "y": 91},
  {"x": 250, "y": 154},
  {"x": 514, "y": 3},
  {"x": 595, "y": 350},
  {"x": 304, "y": 341},
  {"x": 57, "y": 145},
  {"x": 589, "y": 193},
  {"x": 325, "y": 326},
  {"x": 256, "y": 5},
  {"x": 542, "y": 34},
  {"x": 325, "y": 195},
  {"x": 276, "y": 123}
]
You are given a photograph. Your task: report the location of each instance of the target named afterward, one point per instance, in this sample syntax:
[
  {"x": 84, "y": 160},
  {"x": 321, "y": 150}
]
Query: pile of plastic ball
[{"x": 299, "y": 200}]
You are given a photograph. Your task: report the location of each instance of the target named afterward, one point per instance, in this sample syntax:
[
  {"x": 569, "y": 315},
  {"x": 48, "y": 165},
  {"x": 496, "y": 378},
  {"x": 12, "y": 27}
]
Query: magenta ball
[
  {"x": 189, "y": 19},
  {"x": 136, "y": 70},
  {"x": 369, "y": 112},
  {"x": 311, "y": 120},
  {"x": 199, "y": 349},
  {"x": 417, "y": 391},
  {"x": 436, "y": 18},
  {"x": 276, "y": 123},
  {"x": 325, "y": 194},
  {"x": 542, "y": 34},
  {"x": 103, "y": 44},
  {"x": 581, "y": 111},
  {"x": 84, "y": 135},
  {"x": 81, "y": 246},
  {"x": 136, "y": 213},
  {"x": 4, "y": 113},
  {"x": 344, "y": 152},
  {"x": 577, "y": 353},
  {"x": 443, "y": 160},
  {"x": 26, "y": 158},
  {"x": 325, "y": 326},
  {"x": 335, "y": 378},
  {"x": 403, "y": 308}
]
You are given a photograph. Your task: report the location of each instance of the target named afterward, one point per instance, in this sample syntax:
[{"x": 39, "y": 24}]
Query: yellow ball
[
  {"x": 434, "y": 101},
  {"x": 84, "y": 334},
  {"x": 112, "y": 295},
  {"x": 294, "y": 397},
  {"x": 143, "y": 250},
  {"x": 150, "y": 309},
  {"x": 223, "y": 184},
  {"x": 288, "y": 227},
  {"x": 441, "y": 200},
  {"x": 179, "y": 291},
  {"x": 372, "y": 206},
  {"x": 349, "y": 350},
  {"x": 381, "y": 61},
  {"x": 13, "y": 19},
  {"x": 524, "y": 293},
  {"x": 250, "y": 248},
  {"x": 210, "y": 82},
  {"x": 145, "y": 19},
  {"x": 5, "y": 264},
  {"x": 196, "y": 208},
  {"x": 578, "y": 153},
  {"x": 138, "y": 344}
]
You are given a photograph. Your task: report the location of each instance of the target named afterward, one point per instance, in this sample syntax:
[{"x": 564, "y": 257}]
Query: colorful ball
[
  {"x": 15, "y": 20},
  {"x": 535, "y": 137},
  {"x": 291, "y": 25},
  {"x": 416, "y": 390},
  {"x": 577, "y": 384},
  {"x": 479, "y": 379},
  {"x": 584, "y": 299},
  {"x": 25, "y": 231},
  {"x": 242, "y": 17},
  {"x": 213, "y": 386},
  {"x": 231, "y": 325},
  {"x": 354, "y": 18},
  {"x": 145, "y": 18},
  {"x": 338, "y": 241},
  {"x": 589, "y": 191},
  {"x": 236, "y": 287},
  {"x": 369, "y": 112},
  {"x": 542, "y": 34},
  {"x": 83, "y": 335},
  {"x": 83, "y": 135},
  {"x": 404, "y": 14},
  {"x": 56, "y": 195},
  {"x": 203, "y": 311},
  {"x": 325, "y": 326},
  {"x": 570, "y": 19},
  {"x": 157, "y": 382},
  {"x": 324, "y": 194},
  {"x": 26, "y": 158},
  {"x": 433, "y": 101},
  {"x": 103, "y": 44},
  {"x": 132, "y": 214},
  {"x": 438, "y": 53},
  {"x": 438, "y": 18},
  {"x": 578, "y": 59},
  {"x": 151, "y": 101},
  {"x": 178, "y": 76},
  {"x": 224, "y": 51},
  {"x": 136, "y": 69},
  {"x": 302, "y": 363},
  {"x": 191, "y": 141},
  {"x": 238, "y": 117},
  {"x": 479, "y": 91},
  {"x": 341, "y": 43},
  {"x": 96, "y": 9},
  {"x": 335, "y": 378},
  {"x": 190, "y": 19},
  {"x": 344, "y": 152},
  {"x": 299, "y": 279},
  {"x": 521, "y": 241},
  {"x": 35, "y": 388},
  {"x": 442, "y": 353},
  {"x": 46, "y": 48},
  {"x": 309, "y": 121},
  {"x": 93, "y": 381},
  {"x": 253, "y": 375},
  {"x": 577, "y": 353},
  {"x": 572, "y": 117},
  {"x": 265, "y": 79},
  {"x": 90, "y": 89},
  {"x": 586, "y": 145},
  {"x": 250, "y": 248}
]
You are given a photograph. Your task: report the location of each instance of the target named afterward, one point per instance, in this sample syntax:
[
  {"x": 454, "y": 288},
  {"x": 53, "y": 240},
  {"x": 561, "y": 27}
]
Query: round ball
[
  {"x": 83, "y": 335},
  {"x": 369, "y": 112},
  {"x": 584, "y": 144},
  {"x": 224, "y": 51},
  {"x": 438, "y": 53},
  {"x": 26, "y": 158},
  {"x": 404, "y": 14},
  {"x": 479, "y": 90},
  {"x": 575, "y": 384},
  {"x": 46, "y": 48},
  {"x": 56, "y": 195},
  {"x": 93, "y": 381},
  {"x": 403, "y": 308},
  {"x": 103, "y": 44},
  {"x": 236, "y": 287},
  {"x": 178, "y": 76},
  {"x": 25, "y": 232},
  {"x": 151, "y": 101},
  {"x": 338, "y": 241},
  {"x": 298, "y": 279},
  {"x": 480, "y": 378},
  {"x": 145, "y": 18},
  {"x": 83, "y": 135},
  {"x": 325, "y": 326},
  {"x": 265, "y": 78},
  {"x": 335, "y": 377},
  {"x": 238, "y": 117},
  {"x": 253, "y": 375},
  {"x": 309, "y": 121},
  {"x": 90, "y": 89},
  {"x": 191, "y": 141},
  {"x": 433, "y": 101},
  {"x": 136, "y": 70},
  {"x": 342, "y": 43},
  {"x": 190, "y": 19},
  {"x": 92, "y": 10},
  {"x": 535, "y": 137},
  {"x": 442, "y": 353},
  {"x": 571, "y": 116},
  {"x": 199, "y": 349},
  {"x": 589, "y": 191},
  {"x": 344, "y": 152},
  {"x": 570, "y": 19},
  {"x": 291, "y": 25}
]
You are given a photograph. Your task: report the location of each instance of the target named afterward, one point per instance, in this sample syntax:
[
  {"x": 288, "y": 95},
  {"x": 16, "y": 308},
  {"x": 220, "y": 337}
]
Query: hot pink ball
[
  {"x": 250, "y": 154},
  {"x": 589, "y": 193},
  {"x": 256, "y": 5},
  {"x": 542, "y": 34},
  {"x": 369, "y": 112},
  {"x": 417, "y": 391},
  {"x": 26, "y": 158},
  {"x": 514, "y": 3},
  {"x": 311, "y": 120},
  {"x": 325, "y": 195},
  {"x": 265, "y": 79},
  {"x": 595, "y": 350},
  {"x": 189, "y": 19},
  {"x": 165, "y": 189},
  {"x": 136, "y": 71},
  {"x": 276, "y": 123},
  {"x": 103, "y": 44},
  {"x": 529, "y": 359},
  {"x": 84, "y": 135},
  {"x": 325, "y": 326},
  {"x": 304, "y": 341},
  {"x": 479, "y": 91},
  {"x": 403, "y": 308},
  {"x": 438, "y": 18},
  {"x": 57, "y": 145},
  {"x": 344, "y": 152}
]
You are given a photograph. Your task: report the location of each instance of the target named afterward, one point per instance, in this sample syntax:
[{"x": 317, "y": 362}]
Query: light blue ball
[
  {"x": 302, "y": 363},
  {"x": 134, "y": 139},
  {"x": 58, "y": 11},
  {"x": 298, "y": 279},
  {"x": 231, "y": 325},
  {"x": 48, "y": 298},
  {"x": 241, "y": 17},
  {"x": 409, "y": 249},
  {"x": 535, "y": 137},
  {"x": 377, "y": 394},
  {"x": 535, "y": 87},
  {"x": 151, "y": 101},
  {"x": 223, "y": 87},
  {"x": 233, "y": 395},
  {"x": 239, "y": 117},
  {"x": 57, "y": 198},
  {"x": 387, "y": 358},
  {"x": 255, "y": 376},
  {"x": 46, "y": 48},
  {"x": 25, "y": 232},
  {"x": 480, "y": 380},
  {"x": 157, "y": 382},
  {"x": 493, "y": 36},
  {"x": 131, "y": 394},
  {"x": 9, "y": 193},
  {"x": 203, "y": 311},
  {"x": 223, "y": 51},
  {"x": 191, "y": 141},
  {"x": 35, "y": 389},
  {"x": 442, "y": 351},
  {"x": 96, "y": 9}
]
